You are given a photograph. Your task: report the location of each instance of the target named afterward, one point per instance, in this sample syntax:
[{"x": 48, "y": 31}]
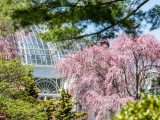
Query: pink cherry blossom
[
  {"x": 8, "y": 48},
  {"x": 107, "y": 78}
]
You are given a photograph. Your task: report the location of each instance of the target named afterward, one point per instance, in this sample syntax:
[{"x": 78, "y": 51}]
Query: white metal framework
[
  {"x": 37, "y": 52},
  {"x": 49, "y": 87},
  {"x": 43, "y": 56},
  {"x": 34, "y": 51}
]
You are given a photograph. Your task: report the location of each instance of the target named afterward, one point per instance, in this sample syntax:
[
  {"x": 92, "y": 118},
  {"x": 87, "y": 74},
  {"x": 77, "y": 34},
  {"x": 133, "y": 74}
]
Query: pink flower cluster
[
  {"x": 107, "y": 78},
  {"x": 8, "y": 49}
]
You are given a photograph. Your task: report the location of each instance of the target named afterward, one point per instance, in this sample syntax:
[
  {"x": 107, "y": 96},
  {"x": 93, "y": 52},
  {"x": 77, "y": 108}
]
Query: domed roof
[{"x": 34, "y": 50}]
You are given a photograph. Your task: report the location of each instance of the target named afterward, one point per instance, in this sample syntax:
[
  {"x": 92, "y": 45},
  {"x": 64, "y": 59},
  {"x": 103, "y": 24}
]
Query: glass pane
[
  {"x": 34, "y": 61},
  {"x": 33, "y": 57},
  {"x": 27, "y": 51},
  {"x": 45, "y": 45},
  {"x": 28, "y": 59},
  {"x": 38, "y": 52},
  {"x": 32, "y": 51},
  {"x": 48, "y": 62},
  {"x": 47, "y": 51},
  {"x": 38, "y": 57},
  {"x": 48, "y": 57},
  {"x": 39, "y": 62},
  {"x": 30, "y": 45}
]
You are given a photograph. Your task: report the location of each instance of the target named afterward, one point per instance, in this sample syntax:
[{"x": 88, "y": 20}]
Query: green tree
[
  {"x": 15, "y": 79},
  {"x": 68, "y": 19},
  {"x": 18, "y": 96},
  {"x": 7, "y": 8},
  {"x": 18, "y": 93},
  {"x": 147, "y": 108},
  {"x": 63, "y": 108},
  {"x": 18, "y": 109}
]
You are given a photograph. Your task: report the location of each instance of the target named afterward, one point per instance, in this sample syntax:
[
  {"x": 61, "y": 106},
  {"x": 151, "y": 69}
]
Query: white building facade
[{"x": 43, "y": 56}]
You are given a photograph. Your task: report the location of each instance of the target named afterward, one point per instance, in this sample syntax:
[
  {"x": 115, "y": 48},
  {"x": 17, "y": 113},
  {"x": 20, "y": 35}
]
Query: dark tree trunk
[{"x": 137, "y": 81}]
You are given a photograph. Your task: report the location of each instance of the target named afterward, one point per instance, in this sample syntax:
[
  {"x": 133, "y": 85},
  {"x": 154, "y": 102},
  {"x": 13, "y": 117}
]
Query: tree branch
[
  {"x": 125, "y": 79},
  {"x": 113, "y": 25},
  {"x": 98, "y": 3},
  {"x": 110, "y": 2}
]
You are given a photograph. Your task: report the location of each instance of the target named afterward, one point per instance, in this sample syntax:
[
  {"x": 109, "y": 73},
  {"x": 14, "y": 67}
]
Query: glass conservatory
[{"x": 43, "y": 57}]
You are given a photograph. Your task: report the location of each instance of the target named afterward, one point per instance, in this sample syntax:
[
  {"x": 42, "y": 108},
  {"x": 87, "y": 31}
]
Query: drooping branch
[{"x": 123, "y": 67}]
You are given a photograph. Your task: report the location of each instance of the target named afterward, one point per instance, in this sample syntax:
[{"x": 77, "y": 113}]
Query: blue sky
[{"x": 146, "y": 7}]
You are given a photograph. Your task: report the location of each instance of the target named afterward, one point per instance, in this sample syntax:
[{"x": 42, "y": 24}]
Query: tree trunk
[{"x": 137, "y": 81}]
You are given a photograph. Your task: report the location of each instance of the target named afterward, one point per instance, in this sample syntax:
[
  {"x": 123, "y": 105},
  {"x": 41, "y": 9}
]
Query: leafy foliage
[
  {"x": 15, "y": 79},
  {"x": 66, "y": 16},
  {"x": 147, "y": 108},
  {"x": 6, "y": 10},
  {"x": 18, "y": 96},
  {"x": 153, "y": 17},
  {"x": 69, "y": 32},
  {"x": 62, "y": 109},
  {"x": 17, "y": 109},
  {"x": 18, "y": 92}
]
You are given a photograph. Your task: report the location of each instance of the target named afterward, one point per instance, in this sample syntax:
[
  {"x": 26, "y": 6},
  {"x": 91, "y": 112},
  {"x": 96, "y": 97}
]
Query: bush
[
  {"x": 18, "y": 92},
  {"x": 18, "y": 96},
  {"x": 147, "y": 108},
  {"x": 22, "y": 110},
  {"x": 63, "y": 108},
  {"x": 16, "y": 80}
]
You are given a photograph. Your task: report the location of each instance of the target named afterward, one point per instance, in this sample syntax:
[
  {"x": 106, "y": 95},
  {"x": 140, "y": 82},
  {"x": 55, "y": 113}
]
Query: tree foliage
[
  {"x": 107, "y": 78},
  {"x": 63, "y": 108},
  {"x": 8, "y": 48},
  {"x": 18, "y": 93},
  {"x": 147, "y": 108},
  {"x": 15, "y": 78},
  {"x": 17, "y": 109},
  {"x": 7, "y": 8},
  {"x": 153, "y": 17},
  {"x": 18, "y": 96},
  {"x": 68, "y": 19}
]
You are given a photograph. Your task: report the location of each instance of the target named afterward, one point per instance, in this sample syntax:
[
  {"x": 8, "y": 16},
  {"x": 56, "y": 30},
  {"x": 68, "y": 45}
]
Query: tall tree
[
  {"x": 68, "y": 19},
  {"x": 143, "y": 60},
  {"x": 16, "y": 99},
  {"x": 107, "y": 78},
  {"x": 63, "y": 108}
]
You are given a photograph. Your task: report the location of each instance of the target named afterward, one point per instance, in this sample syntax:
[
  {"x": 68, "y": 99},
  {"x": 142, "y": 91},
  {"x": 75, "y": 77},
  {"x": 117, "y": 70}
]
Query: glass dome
[
  {"x": 43, "y": 57},
  {"x": 37, "y": 52},
  {"x": 34, "y": 51}
]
